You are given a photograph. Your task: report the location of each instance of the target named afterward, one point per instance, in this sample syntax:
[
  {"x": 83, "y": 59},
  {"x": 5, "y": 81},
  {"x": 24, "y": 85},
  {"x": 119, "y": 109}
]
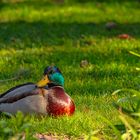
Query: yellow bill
[{"x": 43, "y": 82}]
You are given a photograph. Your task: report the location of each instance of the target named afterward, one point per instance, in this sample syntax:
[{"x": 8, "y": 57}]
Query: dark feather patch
[
  {"x": 16, "y": 98},
  {"x": 3, "y": 94},
  {"x": 51, "y": 69}
]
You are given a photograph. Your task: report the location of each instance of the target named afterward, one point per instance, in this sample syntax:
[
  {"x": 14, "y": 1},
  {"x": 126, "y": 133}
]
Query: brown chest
[{"x": 59, "y": 103}]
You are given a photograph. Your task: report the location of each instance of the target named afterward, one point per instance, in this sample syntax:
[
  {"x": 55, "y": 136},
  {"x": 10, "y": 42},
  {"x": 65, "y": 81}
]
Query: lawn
[{"x": 34, "y": 34}]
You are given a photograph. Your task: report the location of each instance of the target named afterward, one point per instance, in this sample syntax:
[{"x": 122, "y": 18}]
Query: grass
[{"x": 36, "y": 34}]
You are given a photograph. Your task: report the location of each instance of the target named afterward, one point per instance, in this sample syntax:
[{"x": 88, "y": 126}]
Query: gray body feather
[{"x": 24, "y": 98}]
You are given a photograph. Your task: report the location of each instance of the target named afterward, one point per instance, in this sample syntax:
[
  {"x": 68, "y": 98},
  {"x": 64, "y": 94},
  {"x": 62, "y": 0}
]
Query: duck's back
[{"x": 17, "y": 93}]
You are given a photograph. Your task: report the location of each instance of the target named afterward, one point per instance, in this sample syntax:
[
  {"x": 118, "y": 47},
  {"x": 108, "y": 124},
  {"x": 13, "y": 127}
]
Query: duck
[{"x": 46, "y": 97}]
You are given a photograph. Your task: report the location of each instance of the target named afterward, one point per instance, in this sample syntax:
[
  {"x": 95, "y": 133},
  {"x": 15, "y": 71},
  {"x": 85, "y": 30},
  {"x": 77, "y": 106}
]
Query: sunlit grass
[
  {"x": 33, "y": 35},
  {"x": 97, "y": 12}
]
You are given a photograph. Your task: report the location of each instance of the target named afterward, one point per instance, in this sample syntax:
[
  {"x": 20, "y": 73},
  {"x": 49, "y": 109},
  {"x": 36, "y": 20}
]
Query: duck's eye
[{"x": 51, "y": 72}]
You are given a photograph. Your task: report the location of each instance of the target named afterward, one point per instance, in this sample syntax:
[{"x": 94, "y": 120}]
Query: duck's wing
[{"x": 18, "y": 92}]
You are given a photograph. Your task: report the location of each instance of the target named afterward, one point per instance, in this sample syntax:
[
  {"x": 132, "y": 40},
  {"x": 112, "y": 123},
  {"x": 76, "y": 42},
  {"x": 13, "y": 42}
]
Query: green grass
[{"x": 36, "y": 34}]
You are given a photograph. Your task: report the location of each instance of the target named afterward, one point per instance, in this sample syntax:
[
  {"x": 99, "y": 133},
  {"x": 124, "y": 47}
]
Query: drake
[{"x": 47, "y": 97}]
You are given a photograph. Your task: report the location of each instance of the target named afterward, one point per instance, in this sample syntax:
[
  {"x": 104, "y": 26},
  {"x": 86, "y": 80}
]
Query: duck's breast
[{"x": 59, "y": 102}]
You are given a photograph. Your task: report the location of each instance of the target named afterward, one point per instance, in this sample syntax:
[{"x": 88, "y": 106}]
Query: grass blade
[{"x": 136, "y": 54}]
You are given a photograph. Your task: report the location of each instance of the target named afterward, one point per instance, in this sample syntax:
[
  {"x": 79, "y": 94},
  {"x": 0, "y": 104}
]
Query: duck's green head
[{"x": 52, "y": 74}]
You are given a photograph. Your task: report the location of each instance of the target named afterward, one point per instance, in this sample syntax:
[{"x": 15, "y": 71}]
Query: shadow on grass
[{"x": 44, "y": 33}]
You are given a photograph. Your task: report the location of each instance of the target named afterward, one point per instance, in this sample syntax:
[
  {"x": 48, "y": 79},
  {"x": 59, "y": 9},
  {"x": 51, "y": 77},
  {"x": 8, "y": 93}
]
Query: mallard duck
[{"x": 47, "y": 97}]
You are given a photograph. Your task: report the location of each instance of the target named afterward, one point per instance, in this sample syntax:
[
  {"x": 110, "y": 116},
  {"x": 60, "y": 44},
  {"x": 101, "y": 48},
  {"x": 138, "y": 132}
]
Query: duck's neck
[{"x": 50, "y": 85}]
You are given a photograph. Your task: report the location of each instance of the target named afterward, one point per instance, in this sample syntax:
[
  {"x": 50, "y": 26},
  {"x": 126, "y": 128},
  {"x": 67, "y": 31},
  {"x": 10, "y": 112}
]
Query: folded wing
[{"x": 17, "y": 93}]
